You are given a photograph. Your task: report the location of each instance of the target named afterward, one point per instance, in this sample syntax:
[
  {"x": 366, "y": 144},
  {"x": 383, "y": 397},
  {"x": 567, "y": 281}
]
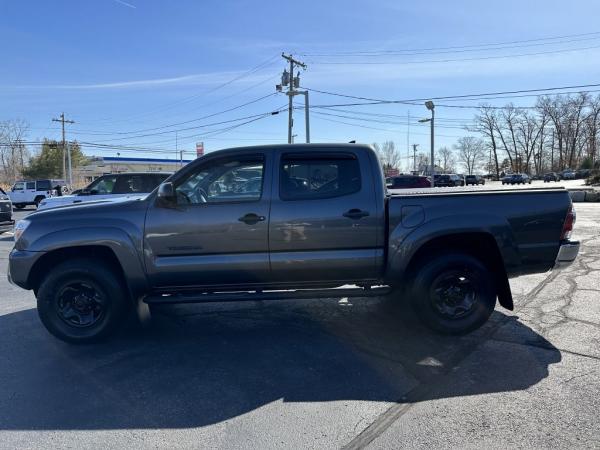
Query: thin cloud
[
  {"x": 185, "y": 80},
  {"x": 129, "y": 5}
]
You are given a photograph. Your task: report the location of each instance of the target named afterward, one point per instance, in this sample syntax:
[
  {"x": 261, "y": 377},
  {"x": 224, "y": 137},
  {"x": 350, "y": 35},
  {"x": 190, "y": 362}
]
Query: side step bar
[{"x": 204, "y": 297}]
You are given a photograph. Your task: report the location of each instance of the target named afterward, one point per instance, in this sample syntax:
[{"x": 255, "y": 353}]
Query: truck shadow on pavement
[{"x": 204, "y": 364}]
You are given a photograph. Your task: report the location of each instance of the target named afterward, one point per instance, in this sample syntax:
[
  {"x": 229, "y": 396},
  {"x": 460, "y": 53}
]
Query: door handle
[
  {"x": 251, "y": 219},
  {"x": 356, "y": 213}
]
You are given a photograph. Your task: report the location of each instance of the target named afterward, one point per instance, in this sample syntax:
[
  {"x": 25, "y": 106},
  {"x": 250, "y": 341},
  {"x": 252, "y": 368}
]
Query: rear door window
[
  {"x": 318, "y": 176},
  {"x": 43, "y": 185},
  {"x": 31, "y": 185}
]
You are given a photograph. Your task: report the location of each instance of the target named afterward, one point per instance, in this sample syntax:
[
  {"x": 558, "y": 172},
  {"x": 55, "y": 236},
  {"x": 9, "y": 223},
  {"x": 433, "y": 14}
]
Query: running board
[{"x": 206, "y": 297}]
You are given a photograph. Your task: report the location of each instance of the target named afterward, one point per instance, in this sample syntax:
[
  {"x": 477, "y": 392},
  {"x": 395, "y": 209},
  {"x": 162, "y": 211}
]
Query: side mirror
[{"x": 166, "y": 192}]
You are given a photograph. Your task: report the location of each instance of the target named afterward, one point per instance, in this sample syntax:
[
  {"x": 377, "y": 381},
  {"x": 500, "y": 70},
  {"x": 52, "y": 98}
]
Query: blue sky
[{"x": 119, "y": 68}]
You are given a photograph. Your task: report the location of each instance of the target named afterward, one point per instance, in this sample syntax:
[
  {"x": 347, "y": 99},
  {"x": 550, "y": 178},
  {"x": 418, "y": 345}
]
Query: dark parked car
[
  {"x": 474, "y": 180},
  {"x": 517, "y": 178},
  {"x": 408, "y": 182},
  {"x": 446, "y": 180},
  {"x": 582, "y": 173},
  {"x": 6, "y": 221},
  {"x": 320, "y": 220},
  {"x": 551, "y": 176}
]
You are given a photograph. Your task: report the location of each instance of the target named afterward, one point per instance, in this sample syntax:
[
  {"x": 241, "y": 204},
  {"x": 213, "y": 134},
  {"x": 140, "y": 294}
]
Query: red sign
[
  {"x": 199, "y": 149},
  {"x": 392, "y": 172}
]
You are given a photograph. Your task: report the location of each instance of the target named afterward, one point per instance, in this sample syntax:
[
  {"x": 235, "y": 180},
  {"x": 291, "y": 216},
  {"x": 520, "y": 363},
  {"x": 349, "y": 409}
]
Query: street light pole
[{"x": 430, "y": 106}]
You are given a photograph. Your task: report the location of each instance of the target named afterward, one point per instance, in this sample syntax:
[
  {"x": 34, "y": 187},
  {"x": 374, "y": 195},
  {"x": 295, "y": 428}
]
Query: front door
[
  {"x": 217, "y": 232},
  {"x": 17, "y": 194}
]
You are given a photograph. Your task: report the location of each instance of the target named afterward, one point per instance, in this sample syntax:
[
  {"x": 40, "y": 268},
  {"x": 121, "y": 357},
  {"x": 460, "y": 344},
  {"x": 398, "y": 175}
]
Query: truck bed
[{"x": 525, "y": 223}]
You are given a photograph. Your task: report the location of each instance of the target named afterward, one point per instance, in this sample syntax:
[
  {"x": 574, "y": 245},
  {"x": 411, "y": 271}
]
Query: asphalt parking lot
[{"x": 315, "y": 374}]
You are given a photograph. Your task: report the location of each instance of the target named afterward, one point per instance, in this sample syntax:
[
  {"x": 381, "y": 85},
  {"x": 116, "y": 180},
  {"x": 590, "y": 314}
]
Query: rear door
[
  {"x": 30, "y": 191},
  {"x": 325, "y": 221}
]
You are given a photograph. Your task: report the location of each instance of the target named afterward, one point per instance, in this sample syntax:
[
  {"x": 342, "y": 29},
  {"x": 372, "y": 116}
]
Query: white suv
[{"x": 25, "y": 193}]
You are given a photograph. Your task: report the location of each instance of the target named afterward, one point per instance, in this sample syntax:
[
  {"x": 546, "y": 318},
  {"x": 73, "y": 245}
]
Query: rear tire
[
  {"x": 81, "y": 301},
  {"x": 453, "y": 294}
]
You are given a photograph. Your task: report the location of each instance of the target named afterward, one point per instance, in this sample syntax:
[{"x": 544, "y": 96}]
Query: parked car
[
  {"x": 90, "y": 266},
  {"x": 583, "y": 173},
  {"x": 445, "y": 180},
  {"x": 474, "y": 180},
  {"x": 568, "y": 175},
  {"x": 6, "y": 221},
  {"x": 517, "y": 178},
  {"x": 109, "y": 187},
  {"x": 409, "y": 182},
  {"x": 24, "y": 193},
  {"x": 551, "y": 176}
]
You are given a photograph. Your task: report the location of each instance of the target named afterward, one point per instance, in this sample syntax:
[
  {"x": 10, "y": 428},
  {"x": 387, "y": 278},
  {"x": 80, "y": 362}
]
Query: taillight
[{"x": 568, "y": 224}]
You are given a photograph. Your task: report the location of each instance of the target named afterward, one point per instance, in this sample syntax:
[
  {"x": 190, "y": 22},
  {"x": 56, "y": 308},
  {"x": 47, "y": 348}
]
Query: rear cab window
[{"x": 317, "y": 176}]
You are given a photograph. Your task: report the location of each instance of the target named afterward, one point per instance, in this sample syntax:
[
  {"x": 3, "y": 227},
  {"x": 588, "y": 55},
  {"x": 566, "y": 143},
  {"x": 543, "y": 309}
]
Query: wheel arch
[
  {"x": 480, "y": 244},
  {"x": 109, "y": 245}
]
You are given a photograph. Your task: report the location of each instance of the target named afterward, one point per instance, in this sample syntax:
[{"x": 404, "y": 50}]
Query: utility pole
[
  {"x": 415, "y": 157},
  {"x": 292, "y": 82},
  {"x": 66, "y": 153},
  {"x": 408, "y": 139}
]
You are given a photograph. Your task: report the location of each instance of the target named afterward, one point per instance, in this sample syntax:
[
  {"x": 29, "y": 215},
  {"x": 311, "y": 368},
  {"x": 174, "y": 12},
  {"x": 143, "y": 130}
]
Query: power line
[
  {"x": 467, "y": 97},
  {"x": 389, "y": 53},
  {"x": 159, "y": 133},
  {"x": 595, "y": 33},
  {"x": 190, "y": 98},
  {"x": 478, "y": 58},
  {"x": 97, "y": 132}
]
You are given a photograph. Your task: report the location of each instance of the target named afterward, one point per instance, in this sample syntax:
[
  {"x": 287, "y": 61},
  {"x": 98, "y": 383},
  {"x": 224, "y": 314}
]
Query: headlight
[{"x": 20, "y": 228}]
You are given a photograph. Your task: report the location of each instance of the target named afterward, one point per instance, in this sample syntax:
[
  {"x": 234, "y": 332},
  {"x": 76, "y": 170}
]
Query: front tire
[
  {"x": 81, "y": 301},
  {"x": 453, "y": 293}
]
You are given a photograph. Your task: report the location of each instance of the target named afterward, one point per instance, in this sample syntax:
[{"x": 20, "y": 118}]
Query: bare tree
[
  {"x": 528, "y": 131},
  {"x": 470, "y": 152},
  {"x": 13, "y": 150},
  {"x": 486, "y": 123},
  {"x": 447, "y": 160},
  {"x": 388, "y": 155},
  {"x": 423, "y": 163}
]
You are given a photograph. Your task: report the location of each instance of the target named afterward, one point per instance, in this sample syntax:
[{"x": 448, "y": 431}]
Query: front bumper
[
  {"x": 20, "y": 264},
  {"x": 567, "y": 253},
  {"x": 7, "y": 226}
]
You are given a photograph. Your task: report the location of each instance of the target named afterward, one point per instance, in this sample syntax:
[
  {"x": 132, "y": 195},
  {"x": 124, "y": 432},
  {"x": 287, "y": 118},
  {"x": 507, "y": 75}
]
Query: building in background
[{"x": 101, "y": 165}]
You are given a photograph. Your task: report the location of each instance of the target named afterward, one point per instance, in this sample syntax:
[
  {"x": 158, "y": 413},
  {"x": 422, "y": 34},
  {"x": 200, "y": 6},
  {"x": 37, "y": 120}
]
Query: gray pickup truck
[{"x": 288, "y": 221}]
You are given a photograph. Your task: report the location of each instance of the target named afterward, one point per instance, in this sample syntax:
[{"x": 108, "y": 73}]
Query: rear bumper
[{"x": 567, "y": 253}]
